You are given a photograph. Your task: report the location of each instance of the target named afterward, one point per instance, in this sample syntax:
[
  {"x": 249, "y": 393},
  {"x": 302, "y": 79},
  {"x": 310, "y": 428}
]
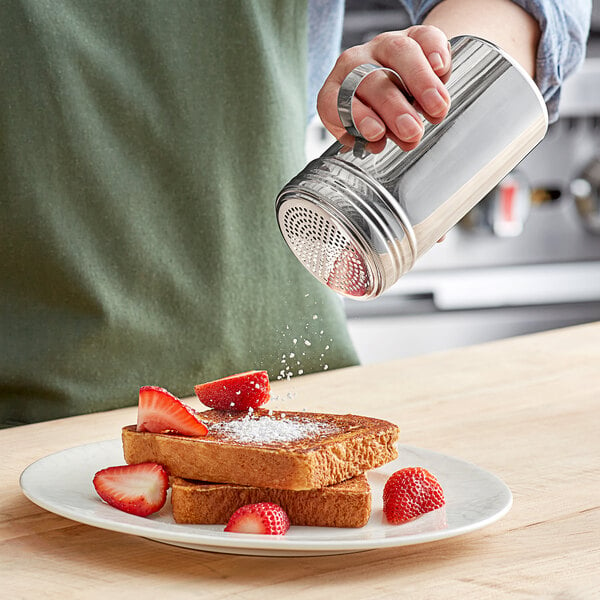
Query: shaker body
[{"x": 359, "y": 223}]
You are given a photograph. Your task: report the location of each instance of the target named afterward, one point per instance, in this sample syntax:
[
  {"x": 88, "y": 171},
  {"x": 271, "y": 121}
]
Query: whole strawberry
[
  {"x": 237, "y": 392},
  {"x": 265, "y": 517},
  {"x": 409, "y": 493}
]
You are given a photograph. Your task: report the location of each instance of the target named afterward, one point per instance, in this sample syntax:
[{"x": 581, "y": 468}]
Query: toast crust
[
  {"x": 346, "y": 504},
  {"x": 341, "y": 447}
]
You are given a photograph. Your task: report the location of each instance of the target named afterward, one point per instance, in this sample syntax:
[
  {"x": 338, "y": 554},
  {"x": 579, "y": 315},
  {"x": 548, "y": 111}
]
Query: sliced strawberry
[
  {"x": 409, "y": 493},
  {"x": 160, "y": 412},
  {"x": 265, "y": 517},
  {"x": 237, "y": 392},
  {"x": 137, "y": 489}
]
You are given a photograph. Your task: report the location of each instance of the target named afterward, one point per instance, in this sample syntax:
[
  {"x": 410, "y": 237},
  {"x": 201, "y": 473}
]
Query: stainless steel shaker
[{"x": 359, "y": 221}]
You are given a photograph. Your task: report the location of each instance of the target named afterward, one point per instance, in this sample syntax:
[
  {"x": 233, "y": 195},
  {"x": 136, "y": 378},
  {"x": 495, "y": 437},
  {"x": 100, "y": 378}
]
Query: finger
[
  {"x": 373, "y": 128},
  {"x": 348, "y": 142},
  {"x": 404, "y": 125},
  {"x": 421, "y": 110},
  {"x": 375, "y": 147},
  {"x": 367, "y": 121},
  {"x": 406, "y": 57},
  {"x": 435, "y": 46},
  {"x": 380, "y": 94},
  {"x": 406, "y": 146}
]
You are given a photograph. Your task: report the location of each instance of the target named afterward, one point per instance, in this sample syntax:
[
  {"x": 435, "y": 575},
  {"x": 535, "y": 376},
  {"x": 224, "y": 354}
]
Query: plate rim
[{"x": 258, "y": 542}]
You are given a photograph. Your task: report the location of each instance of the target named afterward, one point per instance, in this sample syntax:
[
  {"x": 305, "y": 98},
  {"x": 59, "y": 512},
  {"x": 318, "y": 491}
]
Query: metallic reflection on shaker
[{"x": 359, "y": 221}]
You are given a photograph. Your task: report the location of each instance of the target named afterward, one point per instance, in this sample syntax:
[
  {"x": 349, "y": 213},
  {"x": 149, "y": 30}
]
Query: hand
[{"x": 421, "y": 56}]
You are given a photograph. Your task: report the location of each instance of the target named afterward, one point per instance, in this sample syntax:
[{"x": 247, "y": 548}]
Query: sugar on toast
[
  {"x": 269, "y": 449},
  {"x": 345, "y": 504}
]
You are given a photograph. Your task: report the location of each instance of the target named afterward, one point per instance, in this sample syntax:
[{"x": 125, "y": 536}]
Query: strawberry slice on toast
[
  {"x": 136, "y": 489},
  {"x": 161, "y": 412},
  {"x": 237, "y": 392}
]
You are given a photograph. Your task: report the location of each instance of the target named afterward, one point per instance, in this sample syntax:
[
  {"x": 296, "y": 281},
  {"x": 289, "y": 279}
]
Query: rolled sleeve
[{"x": 564, "y": 30}]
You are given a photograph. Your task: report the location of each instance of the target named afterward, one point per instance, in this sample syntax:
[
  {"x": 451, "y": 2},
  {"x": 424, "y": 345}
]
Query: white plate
[{"x": 62, "y": 484}]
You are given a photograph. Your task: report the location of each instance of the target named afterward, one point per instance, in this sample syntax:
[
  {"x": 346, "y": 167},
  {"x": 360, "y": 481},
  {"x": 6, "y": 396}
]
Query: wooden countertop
[{"x": 526, "y": 409}]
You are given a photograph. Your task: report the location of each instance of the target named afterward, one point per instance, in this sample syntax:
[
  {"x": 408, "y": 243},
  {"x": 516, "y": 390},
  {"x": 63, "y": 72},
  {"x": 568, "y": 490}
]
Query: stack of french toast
[{"x": 312, "y": 465}]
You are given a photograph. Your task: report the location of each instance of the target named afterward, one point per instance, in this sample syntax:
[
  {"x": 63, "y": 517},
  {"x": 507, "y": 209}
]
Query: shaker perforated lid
[
  {"x": 345, "y": 229},
  {"x": 325, "y": 248}
]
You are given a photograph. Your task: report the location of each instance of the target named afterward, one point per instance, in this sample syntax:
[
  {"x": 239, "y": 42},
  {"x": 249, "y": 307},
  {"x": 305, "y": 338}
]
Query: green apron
[{"x": 142, "y": 145}]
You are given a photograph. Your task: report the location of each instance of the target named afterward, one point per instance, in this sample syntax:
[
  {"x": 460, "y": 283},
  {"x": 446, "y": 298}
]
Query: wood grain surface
[{"x": 527, "y": 409}]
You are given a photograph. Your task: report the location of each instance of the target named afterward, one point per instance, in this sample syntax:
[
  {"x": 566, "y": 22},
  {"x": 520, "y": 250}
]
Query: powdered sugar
[
  {"x": 269, "y": 429},
  {"x": 304, "y": 348}
]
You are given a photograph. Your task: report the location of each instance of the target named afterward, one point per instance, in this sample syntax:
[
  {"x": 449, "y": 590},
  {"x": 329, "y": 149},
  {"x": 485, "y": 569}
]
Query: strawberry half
[
  {"x": 265, "y": 518},
  {"x": 409, "y": 493},
  {"x": 136, "y": 489},
  {"x": 237, "y": 392},
  {"x": 160, "y": 412}
]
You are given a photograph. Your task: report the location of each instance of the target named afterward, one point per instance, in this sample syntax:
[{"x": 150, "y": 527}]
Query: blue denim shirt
[{"x": 564, "y": 25}]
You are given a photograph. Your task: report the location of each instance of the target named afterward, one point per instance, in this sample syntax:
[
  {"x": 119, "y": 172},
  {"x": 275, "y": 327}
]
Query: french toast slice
[
  {"x": 345, "y": 504},
  {"x": 266, "y": 448}
]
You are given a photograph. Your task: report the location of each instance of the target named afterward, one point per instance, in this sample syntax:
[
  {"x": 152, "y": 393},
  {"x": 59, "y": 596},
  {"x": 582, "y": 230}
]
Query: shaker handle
[{"x": 346, "y": 94}]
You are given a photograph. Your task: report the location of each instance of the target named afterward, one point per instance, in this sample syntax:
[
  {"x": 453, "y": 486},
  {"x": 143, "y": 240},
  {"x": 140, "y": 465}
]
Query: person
[
  {"x": 547, "y": 38},
  {"x": 142, "y": 148}
]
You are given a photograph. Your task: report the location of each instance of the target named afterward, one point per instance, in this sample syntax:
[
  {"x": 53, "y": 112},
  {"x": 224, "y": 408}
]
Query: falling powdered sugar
[
  {"x": 294, "y": 361},
  {"x": 267, "y": 429}
]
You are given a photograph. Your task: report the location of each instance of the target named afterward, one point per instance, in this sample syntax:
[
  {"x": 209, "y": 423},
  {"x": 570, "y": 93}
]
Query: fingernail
[
  {"x": 408, "y": 127},
  {"x": 433, "y": 102},
  {"x": 436, "y": 61},
  {"x": 371, "y": 129}
]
